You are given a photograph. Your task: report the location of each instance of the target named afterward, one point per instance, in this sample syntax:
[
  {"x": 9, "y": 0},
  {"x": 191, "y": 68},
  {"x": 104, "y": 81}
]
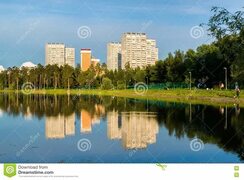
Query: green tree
[
  {"x": 15, "y": 76},
  {"x": 107, "y": 84},
  {"x": 67, "y": 75},
  {"x": 140, "y": 75},
  {"x": 224, "y": 23},
  {"x": 121, "y": 84}
]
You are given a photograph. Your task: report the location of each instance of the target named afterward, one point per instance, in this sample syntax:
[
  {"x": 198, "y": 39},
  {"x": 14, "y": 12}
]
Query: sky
[{"x": 27, "y": 25}]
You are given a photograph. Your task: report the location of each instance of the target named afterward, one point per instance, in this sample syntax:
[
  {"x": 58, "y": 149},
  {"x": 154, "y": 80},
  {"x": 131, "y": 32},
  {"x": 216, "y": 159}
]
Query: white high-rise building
[
  {"x": 70, "y": 56},
  {"x": 152, "y": 52},
  {"x": 113, "y": 56},
  {"x": 137, "y": 50},
  {"x": 57, "y": 53}
]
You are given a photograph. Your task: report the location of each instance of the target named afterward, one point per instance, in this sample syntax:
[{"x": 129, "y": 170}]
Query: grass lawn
[{"x": 195, "y": 96}]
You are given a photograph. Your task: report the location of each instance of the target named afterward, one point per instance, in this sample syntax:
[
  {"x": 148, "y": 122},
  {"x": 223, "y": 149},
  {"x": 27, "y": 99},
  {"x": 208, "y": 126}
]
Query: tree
[
  {"x": 228, "y": 29},
  {"x": 129, "y": 74},
  {"x": 90, "y": 77},
  {"x": 121, "y": 84},
  {"x": 56, "y": 74},
  {"x": 3, "y": 79},
  {"x": 140, "y": 75},
  {"x": 67, "y": 72},
  {"x": 107, "y": 84},
  {"x": 15, "y": 75},
  {"x": 224, "y": 23},
  {"x": 237, "y": 67},
  {"x": 77, "y": 76},
  {"x": 40, "y": 71}
]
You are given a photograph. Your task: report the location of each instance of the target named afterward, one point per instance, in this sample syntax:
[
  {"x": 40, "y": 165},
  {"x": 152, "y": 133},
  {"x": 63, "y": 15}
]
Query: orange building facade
[{"x": 85, "y": 55}]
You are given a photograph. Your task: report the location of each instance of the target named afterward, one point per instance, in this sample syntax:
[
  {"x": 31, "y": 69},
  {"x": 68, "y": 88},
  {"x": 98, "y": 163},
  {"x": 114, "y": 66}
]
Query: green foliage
[
  {"x": 140, "y": 75},
  {"x": 107, "y": 84},
  {"x": 224, "y": 23},
  {"x": 121, "y": 85}
]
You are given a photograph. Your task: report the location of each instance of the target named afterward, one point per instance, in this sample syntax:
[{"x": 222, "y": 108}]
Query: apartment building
[
  {"x": 138, "y": 50},
  {"x": 113, "y": 56},
  {"x": 57, "y": 53}
]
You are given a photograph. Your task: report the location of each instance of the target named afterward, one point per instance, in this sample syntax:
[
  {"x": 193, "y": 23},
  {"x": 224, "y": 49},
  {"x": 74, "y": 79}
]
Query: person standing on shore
[{"x": 237, "y": 90}]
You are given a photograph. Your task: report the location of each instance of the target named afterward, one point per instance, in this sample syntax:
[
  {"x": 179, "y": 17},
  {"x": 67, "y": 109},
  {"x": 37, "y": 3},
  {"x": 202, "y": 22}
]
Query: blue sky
[{"x": 26, "y": 25}]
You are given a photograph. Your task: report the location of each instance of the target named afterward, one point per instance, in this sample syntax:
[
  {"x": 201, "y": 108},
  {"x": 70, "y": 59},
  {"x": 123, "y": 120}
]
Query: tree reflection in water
[{"x": 135, "y": 122}]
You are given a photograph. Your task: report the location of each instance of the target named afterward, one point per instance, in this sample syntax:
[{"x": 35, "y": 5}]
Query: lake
[{"x": 92, "y": 129}]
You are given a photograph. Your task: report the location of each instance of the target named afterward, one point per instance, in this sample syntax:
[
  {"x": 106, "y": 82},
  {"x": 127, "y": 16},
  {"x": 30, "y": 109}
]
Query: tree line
[{"x": 206, "y": 64}]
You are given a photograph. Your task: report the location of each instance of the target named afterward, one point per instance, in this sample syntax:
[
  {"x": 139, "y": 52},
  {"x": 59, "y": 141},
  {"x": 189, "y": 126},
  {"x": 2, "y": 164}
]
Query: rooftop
[
  {"x": 1, "y": 68},
  {"x": 135, "y": 33},
  {"x": 28, "y": 64},
  {"x": 56, "y": 43}
]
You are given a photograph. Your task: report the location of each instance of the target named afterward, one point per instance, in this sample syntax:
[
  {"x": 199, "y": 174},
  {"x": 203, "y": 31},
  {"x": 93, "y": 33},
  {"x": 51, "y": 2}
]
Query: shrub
[
  {"x": 107, "y": 84},
  {"x": 121, "y": 85}
]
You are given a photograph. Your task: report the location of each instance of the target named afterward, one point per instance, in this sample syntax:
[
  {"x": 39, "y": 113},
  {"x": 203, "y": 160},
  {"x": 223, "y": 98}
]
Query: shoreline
[{"x": 195, "y": 96}]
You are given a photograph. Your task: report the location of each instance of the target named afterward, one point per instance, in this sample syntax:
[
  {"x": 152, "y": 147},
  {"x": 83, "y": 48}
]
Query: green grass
[{"x": 210, "y": 97}]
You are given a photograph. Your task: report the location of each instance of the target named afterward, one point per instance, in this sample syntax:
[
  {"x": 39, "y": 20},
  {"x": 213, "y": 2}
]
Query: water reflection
[
  {"x": 87, "y": 119},
  {"x": 136, "y": 129},
  {"x": 60, "y": 126},
  {"x": 134, "y": 123}
]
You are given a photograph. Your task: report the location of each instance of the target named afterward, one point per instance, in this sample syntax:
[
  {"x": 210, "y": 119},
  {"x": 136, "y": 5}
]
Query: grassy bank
[{"x": 210, "y": 97}]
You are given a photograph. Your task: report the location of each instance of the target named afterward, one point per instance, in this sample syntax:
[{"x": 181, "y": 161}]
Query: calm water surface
[{"x": 67, "y": 129}]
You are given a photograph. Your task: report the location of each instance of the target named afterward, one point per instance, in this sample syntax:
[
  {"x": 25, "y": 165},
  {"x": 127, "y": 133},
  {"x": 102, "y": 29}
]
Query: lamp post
[
  {"x": 147, "y": 80},
  {"x": 226, "y": 118},
  {"x": 225, "y": 78},
  {"x": 190, "y": 80}
]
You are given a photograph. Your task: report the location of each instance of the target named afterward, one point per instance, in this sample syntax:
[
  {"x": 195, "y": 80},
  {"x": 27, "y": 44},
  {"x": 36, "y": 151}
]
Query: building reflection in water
[
  {"x": 86, "y": 122},
  {"x": 99, "y": 111},
  {"x": 1, "y": 112},
  {"x": 113, "y": 125},
  {"x": 57, "y": 127},
  {"x": 136, "y": 129},
  {"x": 27, "y": 114},
  {"x": 88, "y": 119}
]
